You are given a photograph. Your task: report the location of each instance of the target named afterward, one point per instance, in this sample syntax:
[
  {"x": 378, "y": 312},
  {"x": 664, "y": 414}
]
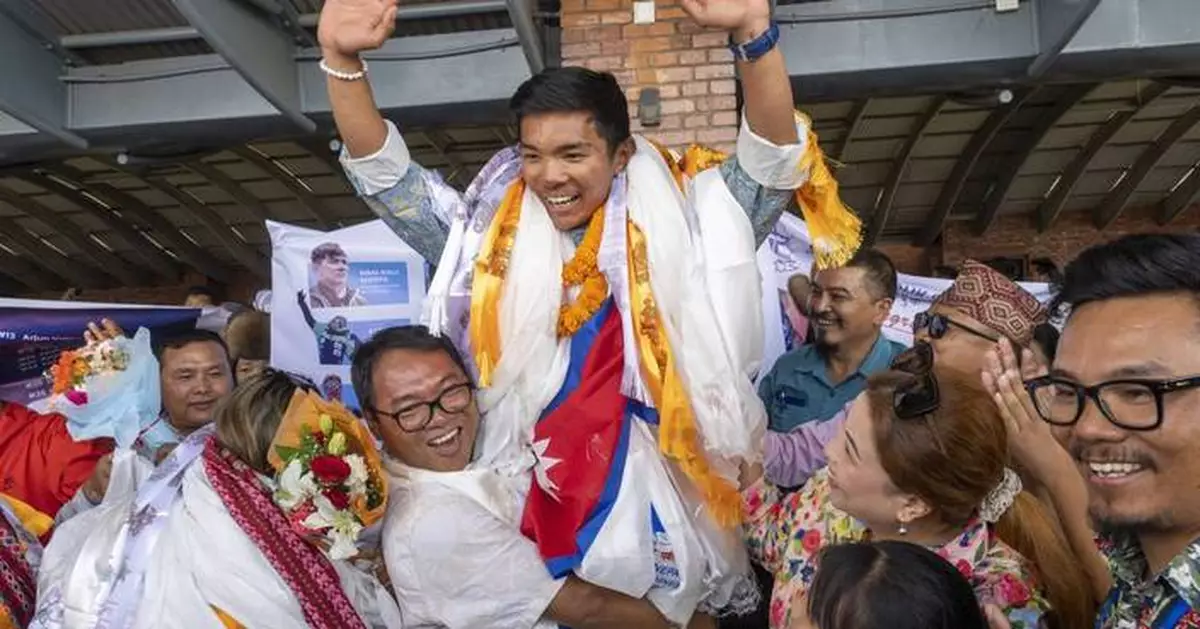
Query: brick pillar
[{"x": 691, "y": 67}]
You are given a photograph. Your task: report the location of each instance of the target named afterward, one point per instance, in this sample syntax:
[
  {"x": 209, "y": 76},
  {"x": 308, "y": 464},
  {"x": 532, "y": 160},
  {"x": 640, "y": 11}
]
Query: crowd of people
[{"x": 576, "y": 438}]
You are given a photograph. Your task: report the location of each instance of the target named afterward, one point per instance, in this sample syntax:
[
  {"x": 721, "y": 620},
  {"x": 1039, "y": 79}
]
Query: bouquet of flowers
[
  {"x": 329, "y": 476},
  {"x": 75, "y": 368},
  {"x": 107, "y": 389}
]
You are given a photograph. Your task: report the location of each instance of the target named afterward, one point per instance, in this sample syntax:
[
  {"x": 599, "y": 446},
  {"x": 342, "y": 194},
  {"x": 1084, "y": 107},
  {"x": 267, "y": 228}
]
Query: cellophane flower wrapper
[
  {"x": 118, "y": 403},
  {"x": 303, "y": 417}
]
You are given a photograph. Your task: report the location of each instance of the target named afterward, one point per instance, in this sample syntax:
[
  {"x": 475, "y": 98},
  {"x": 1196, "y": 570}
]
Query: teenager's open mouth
[{"x": 562, "y": 201}]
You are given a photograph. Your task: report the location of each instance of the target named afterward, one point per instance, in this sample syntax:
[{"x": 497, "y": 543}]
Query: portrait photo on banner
[{"x": 332, "y": 291}]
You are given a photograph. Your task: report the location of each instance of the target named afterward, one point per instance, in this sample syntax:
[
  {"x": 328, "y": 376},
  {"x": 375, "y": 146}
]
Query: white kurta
[
  {"x": 455, "y": 555},
  {"x": 202, "y": 560}
]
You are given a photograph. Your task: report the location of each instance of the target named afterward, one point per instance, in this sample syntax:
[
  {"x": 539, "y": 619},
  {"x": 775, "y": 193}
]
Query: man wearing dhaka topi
[{"x": 605, "y": 294}]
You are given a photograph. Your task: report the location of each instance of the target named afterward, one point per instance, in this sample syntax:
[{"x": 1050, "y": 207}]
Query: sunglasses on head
[{"x": 920, "y": 396}]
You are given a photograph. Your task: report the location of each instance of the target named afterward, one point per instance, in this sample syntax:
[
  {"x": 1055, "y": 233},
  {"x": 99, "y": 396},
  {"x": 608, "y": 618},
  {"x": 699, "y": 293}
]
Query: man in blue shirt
[{"x": 847, "y": 306}]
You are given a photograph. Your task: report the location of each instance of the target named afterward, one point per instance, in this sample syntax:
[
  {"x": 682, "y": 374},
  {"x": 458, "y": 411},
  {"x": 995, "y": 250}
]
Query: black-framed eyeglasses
[
  {"x": 452, "y": 400},
  {"x": 1131, "y": 403},
  {"x": 939, "y": 324},
  {"x": 920, "y": 397}
]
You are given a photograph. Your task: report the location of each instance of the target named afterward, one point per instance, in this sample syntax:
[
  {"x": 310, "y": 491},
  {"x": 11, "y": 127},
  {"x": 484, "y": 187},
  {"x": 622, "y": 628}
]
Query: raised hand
[
  {"x": 108, "y": 329},
  {"x": 743, "y": 18},
  {"x": 1030, "y": 441},
  {"x": 348, "y": 27}
]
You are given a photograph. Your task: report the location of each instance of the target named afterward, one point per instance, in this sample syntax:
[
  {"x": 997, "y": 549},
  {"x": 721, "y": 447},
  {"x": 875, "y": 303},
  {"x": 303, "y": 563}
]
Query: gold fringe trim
[
  {"x": 678, "y": 437},
  {"x": 491, "y": 267}
]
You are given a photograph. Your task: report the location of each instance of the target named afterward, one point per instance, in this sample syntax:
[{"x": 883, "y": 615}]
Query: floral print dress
[{"x": 786, "y": 533}]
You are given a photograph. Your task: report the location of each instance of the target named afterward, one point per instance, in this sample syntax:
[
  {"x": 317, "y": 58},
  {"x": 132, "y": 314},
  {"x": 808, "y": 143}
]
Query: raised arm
[
  {"x": 764, "y": 174},
  {"x": 412, "y": 201},
  {"x": 346, "y": 29}
]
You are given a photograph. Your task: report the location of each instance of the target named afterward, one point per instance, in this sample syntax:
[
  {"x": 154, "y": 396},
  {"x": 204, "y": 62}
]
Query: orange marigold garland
[{"x": 583, "y": 270}]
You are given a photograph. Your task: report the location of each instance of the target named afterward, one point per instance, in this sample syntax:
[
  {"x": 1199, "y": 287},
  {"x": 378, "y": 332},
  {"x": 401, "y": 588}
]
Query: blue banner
[{"x": 32, "y": 337}]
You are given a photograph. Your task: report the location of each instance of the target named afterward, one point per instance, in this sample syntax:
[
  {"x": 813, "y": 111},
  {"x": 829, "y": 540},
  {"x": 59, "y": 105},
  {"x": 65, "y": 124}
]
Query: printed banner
[
  {"x": 332, "y": 291},
  {"x": 787, "y": 252},
  {"x": 34, "y": 332}
]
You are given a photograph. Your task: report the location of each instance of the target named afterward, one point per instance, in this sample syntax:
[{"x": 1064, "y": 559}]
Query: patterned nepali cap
[{"x": 992, "y": 299}]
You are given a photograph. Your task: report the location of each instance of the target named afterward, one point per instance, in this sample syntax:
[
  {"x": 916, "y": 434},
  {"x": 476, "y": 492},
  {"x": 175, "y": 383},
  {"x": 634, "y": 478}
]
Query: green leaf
[{"x": 286, "y": 453}]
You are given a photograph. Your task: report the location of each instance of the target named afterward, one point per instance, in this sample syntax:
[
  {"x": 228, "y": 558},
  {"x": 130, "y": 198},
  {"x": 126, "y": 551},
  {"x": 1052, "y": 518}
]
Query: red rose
[
  {"x": 811, "y": 541},
  {"x": 339, "y": 498},
  {"x": 330, "y": 470}
]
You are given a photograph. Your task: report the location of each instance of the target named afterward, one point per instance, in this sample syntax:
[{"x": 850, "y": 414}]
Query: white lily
[
  {"x": 295, "y": 486},
  {"x": 343, "y": 527},
  {"x": 358, "y": 474}
]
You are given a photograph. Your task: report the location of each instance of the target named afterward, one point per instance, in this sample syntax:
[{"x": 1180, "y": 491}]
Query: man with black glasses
[{"x": 1123, "y": 398}]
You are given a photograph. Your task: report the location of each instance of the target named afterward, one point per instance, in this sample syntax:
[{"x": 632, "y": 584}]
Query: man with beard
[
  {"x": 336, "y": 344},
  {"x": 848, "y": 308},
  {"x": 332, "y": 289},
  {"x": 963, "y": 325},
  {"x": 1122, "y": 396},
  {"x": 195, "y": 374}
]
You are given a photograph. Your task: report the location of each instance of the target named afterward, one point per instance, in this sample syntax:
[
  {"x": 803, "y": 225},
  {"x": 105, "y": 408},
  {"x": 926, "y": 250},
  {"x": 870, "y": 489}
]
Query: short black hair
[
  {"x": 893, "y": 584},
  {"x": 202, "y": 290},
  {"x": 405, "y": 337},
  {"x": 1046, "y": 337},
  {"x": 561, "y": 90},
  {"x": 878, "y": 271},
  {"x": 1132, "y": 266},
  {"x": 179, "y": 340}
]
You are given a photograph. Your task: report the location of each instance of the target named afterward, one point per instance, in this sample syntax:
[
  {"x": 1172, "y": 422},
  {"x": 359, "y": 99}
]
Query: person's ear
[
  {"x": 624, "y": 153},
  {"x": 883, "y": 309}
]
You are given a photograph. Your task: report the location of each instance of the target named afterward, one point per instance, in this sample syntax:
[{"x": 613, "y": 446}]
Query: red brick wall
[
  {"x": 1070, "y": 235},
  {"x": 691, "y": 67}
]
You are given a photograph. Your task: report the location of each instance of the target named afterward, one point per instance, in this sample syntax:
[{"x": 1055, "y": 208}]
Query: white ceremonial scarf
[
  {"x": 702, "y": 252},
  {"x": 201, "y": 559}
]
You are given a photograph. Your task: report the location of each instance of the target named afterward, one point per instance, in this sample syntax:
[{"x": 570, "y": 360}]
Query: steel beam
[
  {"x": 29, "y": 274},
  {"x": 963, "y": 167},
  {"x": 103, "y": 259},
  {"x": 1181, "y": 198},
  {"x": 262, "y": 54},
  {"x": 20, "y": 240},
  {"x": 1057, "y": 23},
  {"x": 231, "y": 187},
  {"x": 164, "y": 231},
  {"x": 460, "y": 75},
  {"x": 1113, "y": 204},
  {"x": 157, "y": 261},
  {"x": 1008, "y": 171},
  {"x": 423, "y": 11},
  {"x": 855, "y": 122},
  {"x": 842, "y": 50},
  {"x": 1053, "y": 205},
  {"x": 883, "y": 207},
  {"x": 314, "y": 205},
  {"x": 521, "y": 14},
  {"x": 441, "y": 145},
  {"x": 29, "y": 87},
  {"x": 246, "y": 255}
]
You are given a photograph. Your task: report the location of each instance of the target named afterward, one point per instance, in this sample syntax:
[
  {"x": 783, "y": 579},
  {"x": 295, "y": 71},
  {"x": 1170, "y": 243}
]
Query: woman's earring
[{"x": 903, "y": 530}]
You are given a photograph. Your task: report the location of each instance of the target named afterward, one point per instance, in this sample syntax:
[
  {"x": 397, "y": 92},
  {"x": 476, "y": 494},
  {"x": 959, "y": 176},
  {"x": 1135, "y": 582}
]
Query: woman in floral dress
[{"x": 922, "y": 459}]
